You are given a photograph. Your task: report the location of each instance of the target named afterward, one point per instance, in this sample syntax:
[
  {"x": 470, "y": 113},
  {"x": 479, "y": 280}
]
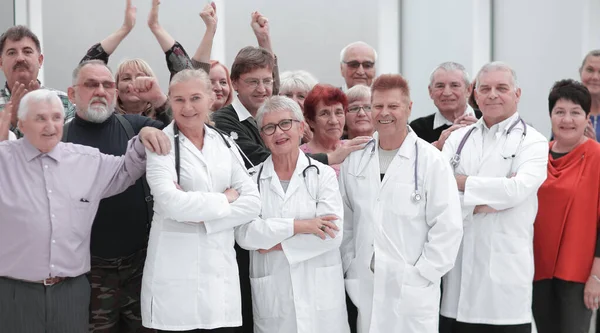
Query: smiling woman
[
  {"x": 324, "y": 110},
  {"x": 566, "y": 248}
]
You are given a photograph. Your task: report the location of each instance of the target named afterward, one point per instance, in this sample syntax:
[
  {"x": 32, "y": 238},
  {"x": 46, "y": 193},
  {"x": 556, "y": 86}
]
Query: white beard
[{"x": 99, "y": 113}]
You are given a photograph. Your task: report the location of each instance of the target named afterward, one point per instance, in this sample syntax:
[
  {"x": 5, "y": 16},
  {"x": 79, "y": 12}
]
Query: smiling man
[
  {"x": 21, "y": 58},
  {"x": 449, "y": 89},
  {"x": 357, "y": 64}
]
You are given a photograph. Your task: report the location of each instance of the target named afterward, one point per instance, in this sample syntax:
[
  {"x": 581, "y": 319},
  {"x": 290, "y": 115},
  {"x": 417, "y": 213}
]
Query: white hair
[
  {"x": 498, "y": 66},
  {"x": 353, "y": 44},
  {"x": 450, "y": 66},
  {"x": 37, "y": 96},
  {"x": 279, "y": 103},
  {"x": 358, "y": 92},
  {"x": 192, "y": 74},
  {"x": 296, "y": 80},
  {"x": 94, "y": 62}
]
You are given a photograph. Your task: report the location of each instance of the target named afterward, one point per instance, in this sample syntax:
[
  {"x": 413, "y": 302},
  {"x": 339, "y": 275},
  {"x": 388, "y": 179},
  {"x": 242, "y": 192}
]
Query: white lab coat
[
  {"x": 414, "y": 243},
  {"x": 191, "y": 276},
  {"x": 299, "y": 289},
  {"x": 491, "y": 282}
]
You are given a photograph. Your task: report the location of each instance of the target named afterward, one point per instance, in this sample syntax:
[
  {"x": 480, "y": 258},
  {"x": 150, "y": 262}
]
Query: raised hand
[
  {"x": 130, "y": 14},
  {"x": 153, "y": 16},
  {"x": 209, "y": 16},
  {"x": 260, "y": 25},
  {"x": 148, "y": 90}
]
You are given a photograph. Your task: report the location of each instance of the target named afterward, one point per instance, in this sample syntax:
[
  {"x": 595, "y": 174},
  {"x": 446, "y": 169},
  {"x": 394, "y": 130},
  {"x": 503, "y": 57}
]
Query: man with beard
[
  {"x": 21, "y": 58},
  {"x": 120, "y": 230}
]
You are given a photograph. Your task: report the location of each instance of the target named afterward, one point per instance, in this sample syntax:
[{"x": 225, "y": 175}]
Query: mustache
[
  {"x": 99, "y": 99},
  {"x": 21, "y": 64}
]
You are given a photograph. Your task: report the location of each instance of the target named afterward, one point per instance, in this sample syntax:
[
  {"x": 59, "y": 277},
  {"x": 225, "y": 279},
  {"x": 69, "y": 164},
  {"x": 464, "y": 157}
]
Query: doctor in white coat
[
  {"x": 499, "y": 163},
  {"x": 191, "y": 276},
  {"x": 295, "y": 262},
  {"x": 402, "y": 222}
]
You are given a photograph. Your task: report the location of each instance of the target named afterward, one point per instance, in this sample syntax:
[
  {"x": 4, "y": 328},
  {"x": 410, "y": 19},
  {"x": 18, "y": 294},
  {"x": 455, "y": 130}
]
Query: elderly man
[
  {"x": 357, "y": 64},
  {"x": 590, "y": 77},
  {"x": 499, "y": 163},
  {"x": 49, "y": 195},
  {"x": 21, "y": 58},
  {"x": 449, "y": 88},
  {"x": 402, "y": 221},
  {"x": 120, "y": 230}
]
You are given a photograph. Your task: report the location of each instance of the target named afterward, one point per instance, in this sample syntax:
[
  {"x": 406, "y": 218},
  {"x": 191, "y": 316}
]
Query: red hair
[
  {"x": 325, "y": 93},
  {"x": 215, "y": 63},
  {"x": 390, "y": 81}
]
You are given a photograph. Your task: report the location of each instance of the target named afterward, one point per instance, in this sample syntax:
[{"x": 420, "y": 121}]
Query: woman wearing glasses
[
  {"x": 358, "y": 115},
  {"x": 324, "y": 112},
  {"x": 201, "y": 192},
  {"x": 295, "y": 271},
  {"x": 566, "y": 286}
]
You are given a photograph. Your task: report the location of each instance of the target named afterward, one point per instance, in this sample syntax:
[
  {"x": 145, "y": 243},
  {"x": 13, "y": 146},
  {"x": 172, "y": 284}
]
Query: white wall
[
  {"x": 544, "y": 40},
  {"x": 543, "y": 48},
  {"x": 6, "y": 21},
  {"x": 436, "y": 31},
  {"x": 306, "y": 35}
]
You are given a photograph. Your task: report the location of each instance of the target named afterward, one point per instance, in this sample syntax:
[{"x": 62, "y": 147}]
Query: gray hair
[
  {"x": 592, "y": 53},
  {"x": 82, "y": 64},
  {"x": 359, "y": 43},
  {"x": 296, "y": 80},
  {"x": 358, "y": 92},
  {"x": 192, "y": 74},
  {"x": 39, "y": 95},
  {"x": 498, "y": 66},
  {"x": 279, "y": 103},
  {"x": 450, "y": 66}
]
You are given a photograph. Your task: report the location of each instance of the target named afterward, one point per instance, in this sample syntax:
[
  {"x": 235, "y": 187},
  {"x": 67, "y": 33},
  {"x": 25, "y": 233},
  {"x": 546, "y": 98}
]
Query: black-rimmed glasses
[{"x": 285, "y": 125}]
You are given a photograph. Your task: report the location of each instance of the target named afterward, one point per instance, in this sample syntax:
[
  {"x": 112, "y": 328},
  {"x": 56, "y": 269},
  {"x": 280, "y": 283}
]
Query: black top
[
  {"x": 248, "y": 136},
  {"x": 122, "y": 223},
  {"x": 423, "y": 127},
  {"x": 556, "y": 155}
]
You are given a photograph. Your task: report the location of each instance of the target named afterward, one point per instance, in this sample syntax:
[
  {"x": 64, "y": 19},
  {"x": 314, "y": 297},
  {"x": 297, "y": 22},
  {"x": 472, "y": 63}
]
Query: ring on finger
[{"x": 323, "y": 227}]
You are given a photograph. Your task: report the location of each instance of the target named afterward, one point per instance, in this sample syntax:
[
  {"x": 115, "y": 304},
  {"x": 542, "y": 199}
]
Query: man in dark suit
[{"x": 449, "y": 88}]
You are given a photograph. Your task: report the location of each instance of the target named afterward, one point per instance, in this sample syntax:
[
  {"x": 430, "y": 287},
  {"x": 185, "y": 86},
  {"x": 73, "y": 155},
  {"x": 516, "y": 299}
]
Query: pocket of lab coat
[
  {"x": 330, "y": 287},
  {"x": 419, "y": 295},
  {"x": 266, "y": 302},
  {"x": 176, "y": 256},
  {"x": 510, "y": 260},
  {"x": 403, "y": 203}
]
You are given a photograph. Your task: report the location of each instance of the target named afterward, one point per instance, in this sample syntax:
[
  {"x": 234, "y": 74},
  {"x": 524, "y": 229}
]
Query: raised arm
[
  {"x": 108, "y": 45},
  {"x": 202, "y": 55},
  {"x": 260, "y": 26}
]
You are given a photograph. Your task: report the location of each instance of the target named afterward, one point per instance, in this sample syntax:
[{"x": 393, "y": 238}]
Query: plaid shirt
[{"x": 69, "y": 108}]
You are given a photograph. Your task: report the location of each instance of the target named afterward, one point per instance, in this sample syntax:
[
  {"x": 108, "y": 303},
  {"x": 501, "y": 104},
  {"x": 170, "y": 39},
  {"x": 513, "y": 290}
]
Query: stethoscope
[
  {"x": 455, "y": 161},
  {"x": 304, "y": 175},
  {"x": 416, "y": 195},
  {"x": 229, "y": 147}
]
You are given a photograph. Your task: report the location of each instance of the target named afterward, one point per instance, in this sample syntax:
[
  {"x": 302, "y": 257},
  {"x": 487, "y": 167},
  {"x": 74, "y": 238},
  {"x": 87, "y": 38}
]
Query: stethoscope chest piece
[{"x": 416, "y": 196}]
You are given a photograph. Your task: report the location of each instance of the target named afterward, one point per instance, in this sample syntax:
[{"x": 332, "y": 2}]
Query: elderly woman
[
  {"x": 296, "y": 272},
  {"x": 324, "y": 112},
  {"x": 201, "y": 192},
  {"x": 358, "y": 115},
  {"x": 296, "y": 85},
  {"x": 566, "y": 244}
]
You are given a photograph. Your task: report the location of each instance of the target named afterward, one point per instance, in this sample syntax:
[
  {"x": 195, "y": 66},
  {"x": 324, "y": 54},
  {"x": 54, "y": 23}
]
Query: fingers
[
  {"x": 177, "y": 186},
  {"x": 214, "y": 7},
  {"x": 164, "y": 144},
  {"x": 321, "y": 234},
  {"x": 151, "y": 143},
  {"x": 34, "y": 85},
  {"x": 261, "y": 251},
  {"x": 330, "y": 232}
]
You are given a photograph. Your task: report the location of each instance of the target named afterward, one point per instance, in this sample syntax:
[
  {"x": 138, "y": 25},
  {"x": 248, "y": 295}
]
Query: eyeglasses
[
  {"x": 95, "y": 84},
  {"x": 253, "y": 83},
  {"x": 285, "y": 126},
  {"x": 356, "y": 109},
  {"x": 355, "y": 64}
]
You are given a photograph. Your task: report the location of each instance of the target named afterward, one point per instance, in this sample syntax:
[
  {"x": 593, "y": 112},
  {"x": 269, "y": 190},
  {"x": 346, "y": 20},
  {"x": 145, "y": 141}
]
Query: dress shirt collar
[
  {"x": 240, "y": 109},
  {"x": 500, "y": 127},
  {"x": 31, "y": 152},
  {"x": 439, "y": 120}
]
